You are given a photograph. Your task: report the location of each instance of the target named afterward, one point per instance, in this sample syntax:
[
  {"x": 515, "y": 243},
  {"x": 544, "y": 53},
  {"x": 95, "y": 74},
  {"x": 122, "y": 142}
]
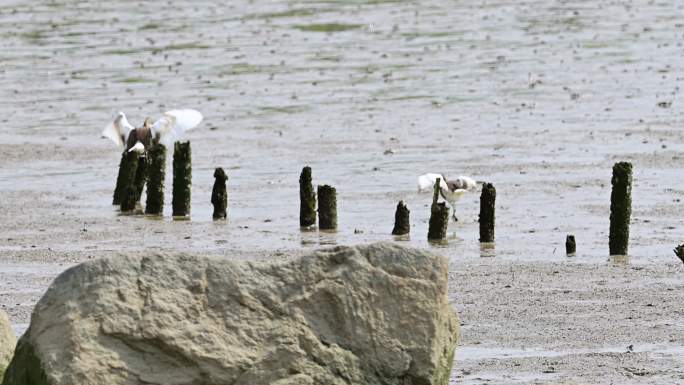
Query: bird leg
[{"x": 453, "y": 214}]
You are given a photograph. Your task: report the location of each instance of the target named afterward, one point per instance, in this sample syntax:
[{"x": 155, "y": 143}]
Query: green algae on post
[
  {"x": 402, "y": 225},
  {"x": 439, "y": 216},
  {"x": 327, "y": 208},
  {"x": 219, "y": 194},
  {"x": 487, "y": 217},
  {"x": 182, "y": 179},
  {"x": 155, "y": 183},
  {"x": 620, "y": 208},
  {"x": 307, "y": 199},
  {"x": 570, "y": 245},
  {"x": 129, "y": 192}
]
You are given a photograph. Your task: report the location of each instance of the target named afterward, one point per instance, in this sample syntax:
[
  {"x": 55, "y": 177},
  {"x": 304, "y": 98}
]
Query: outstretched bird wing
[
  {"x": 463, "y": 183},
  {"x": 426, "y": 182},
  {"x": 118, "y": 130},
  {"x": 173, "y": 124}
]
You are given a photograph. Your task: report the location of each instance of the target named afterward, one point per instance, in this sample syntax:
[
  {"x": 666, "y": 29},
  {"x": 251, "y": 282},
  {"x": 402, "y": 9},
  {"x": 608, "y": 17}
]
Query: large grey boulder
[
  {"x": 373, "y": 314},
  {"x": 7, "y": 341}
]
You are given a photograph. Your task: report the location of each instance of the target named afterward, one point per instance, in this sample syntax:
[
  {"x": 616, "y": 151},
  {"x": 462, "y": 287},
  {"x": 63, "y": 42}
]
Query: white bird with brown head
[{"x": 167, "y": 129}]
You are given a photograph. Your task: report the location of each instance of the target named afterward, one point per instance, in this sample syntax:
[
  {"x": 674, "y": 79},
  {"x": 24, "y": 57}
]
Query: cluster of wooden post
[
  {"x": 327, "y": 203},
  {"x": 620, "y": 212},
  {"x": 136, "y": 171},
  {"x": 439, "y": 218}
]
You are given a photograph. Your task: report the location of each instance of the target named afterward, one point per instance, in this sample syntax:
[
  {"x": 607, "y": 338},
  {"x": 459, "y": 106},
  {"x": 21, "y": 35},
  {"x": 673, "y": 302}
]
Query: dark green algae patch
[
  {"x": 25, "y": 367},
  {"x": 328, "y": 27}
]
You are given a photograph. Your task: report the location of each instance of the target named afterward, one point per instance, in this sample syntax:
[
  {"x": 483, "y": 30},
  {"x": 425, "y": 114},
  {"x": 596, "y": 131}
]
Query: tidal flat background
[{"x": 539, "y": 98}]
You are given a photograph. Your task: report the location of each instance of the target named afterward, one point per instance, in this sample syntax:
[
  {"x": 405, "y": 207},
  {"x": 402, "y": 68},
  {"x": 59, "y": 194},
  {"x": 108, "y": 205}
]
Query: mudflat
[{"x": 538, "y": 98}]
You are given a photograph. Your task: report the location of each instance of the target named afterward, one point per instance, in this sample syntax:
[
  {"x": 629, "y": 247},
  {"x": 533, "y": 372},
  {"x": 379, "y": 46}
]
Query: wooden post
[
  {"x": 570, "y": 245},
  {"x": 620, "y": 208},
  {"x": 118, "y": 190},
  {"x": 402, "y": 225},
  {"x": 487, "y": 217},
  {"x": 182, "y": 179},
  {"x": 219, "y": 194},
  {"x": 140, "y": 177},
  {"x": 435, "y": 190},
  {"x": 439, "y": 216},
  {"x": 129, "y": 193},
  {"x": 679, "y": 252},
  {"x": 307, "y": 199},
  {"x": 155, "y": 183},
  {"x": 327, "y": 208}
]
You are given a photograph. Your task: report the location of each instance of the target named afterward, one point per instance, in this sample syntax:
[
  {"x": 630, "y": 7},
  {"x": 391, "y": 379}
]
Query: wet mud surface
[{"x": 539, "y": 98}]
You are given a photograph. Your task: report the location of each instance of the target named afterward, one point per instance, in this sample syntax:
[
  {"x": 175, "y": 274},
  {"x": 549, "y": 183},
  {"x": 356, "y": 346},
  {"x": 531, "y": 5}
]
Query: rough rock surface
[
  {"x": 7, "y": 341},
  {"x": 374, "y": 314}
]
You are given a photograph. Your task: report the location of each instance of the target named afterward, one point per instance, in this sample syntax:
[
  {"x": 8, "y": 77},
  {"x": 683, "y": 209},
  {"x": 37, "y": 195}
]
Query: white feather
[
  {"x": 138, "y": 147},
  {"x": 118, "y": 130},
  {"x": 174, "y": 124},
  {"x": 426, "y": 182},
  {"x": 452, "y": 196},
  {"x": 465, "y": 182},
  {"x": 462, "y": 185}
]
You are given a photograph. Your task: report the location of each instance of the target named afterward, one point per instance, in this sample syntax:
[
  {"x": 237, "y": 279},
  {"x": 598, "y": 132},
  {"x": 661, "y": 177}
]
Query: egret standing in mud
[
  {"x": 165, "y": 130},
  {"x": 450, "y": 190}
]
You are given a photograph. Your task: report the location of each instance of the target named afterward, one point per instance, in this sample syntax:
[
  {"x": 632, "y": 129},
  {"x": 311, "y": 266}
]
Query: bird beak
[{"x": 139, "y": 148}]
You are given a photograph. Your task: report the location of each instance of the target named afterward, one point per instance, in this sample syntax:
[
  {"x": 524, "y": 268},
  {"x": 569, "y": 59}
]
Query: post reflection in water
[{"x": 487, "y": 250}]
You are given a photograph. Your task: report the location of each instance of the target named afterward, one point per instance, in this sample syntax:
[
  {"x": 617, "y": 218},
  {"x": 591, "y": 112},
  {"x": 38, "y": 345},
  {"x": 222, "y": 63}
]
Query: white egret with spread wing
[
  {"x": 450, "y": 189},
  {"x": 167, "y": 129}
]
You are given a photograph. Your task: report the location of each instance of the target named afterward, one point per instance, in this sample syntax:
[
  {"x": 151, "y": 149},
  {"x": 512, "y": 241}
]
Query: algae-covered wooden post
[
  {"x": 487, "y": 217},
  {"x": 307, "y": 199},
  {"x": 154, "y": 204},
  {"x": 620, "y": 208},
  {"x": 327, "y": 208},
  {"x": 570, "y": 245},
  {"x": 140, "y": 177},
  {"x": 679, "y": 252},
  {"x": 439, "y": 216},
  {"x": 129, "y": 190},
  {"x": 182, "y": 179},
  {"x": 123, "y": 170},
  {"x": 219, "y": 194},
  {"x": 402, "y": 226}
]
